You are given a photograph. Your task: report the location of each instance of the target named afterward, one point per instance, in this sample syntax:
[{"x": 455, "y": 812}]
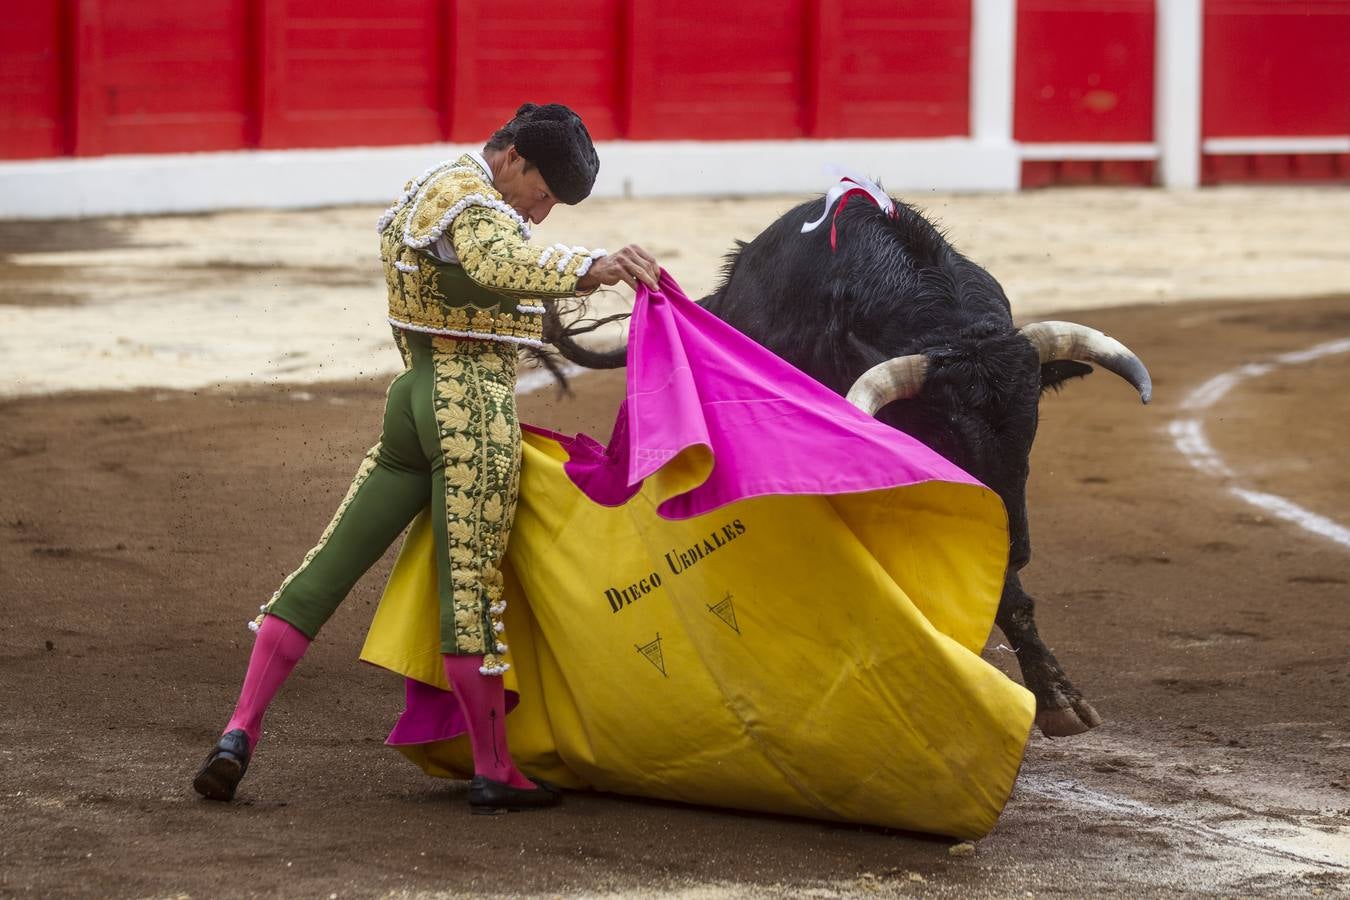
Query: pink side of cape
[{"x": 770, "y": 429}]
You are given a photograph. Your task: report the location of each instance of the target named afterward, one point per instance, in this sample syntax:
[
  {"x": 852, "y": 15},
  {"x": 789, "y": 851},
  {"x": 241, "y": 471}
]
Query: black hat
[{"x": 554, "y": 139}]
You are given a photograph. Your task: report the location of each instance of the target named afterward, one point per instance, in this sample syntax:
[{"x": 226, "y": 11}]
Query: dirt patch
[
  {"x": 139, "y": 531},
  {"x": 66, "y": 235},
  {"x": 41, "y": 285}
]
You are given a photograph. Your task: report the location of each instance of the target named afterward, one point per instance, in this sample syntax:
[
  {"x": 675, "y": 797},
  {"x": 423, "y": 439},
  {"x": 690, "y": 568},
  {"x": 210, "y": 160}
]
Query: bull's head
[
  {"x": 902, "y": 377},
  {"x": 983, "y": 414}
]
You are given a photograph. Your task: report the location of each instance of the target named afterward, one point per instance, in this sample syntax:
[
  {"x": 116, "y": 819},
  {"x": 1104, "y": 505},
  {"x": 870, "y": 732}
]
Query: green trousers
[{"x": 450, "y": 440}]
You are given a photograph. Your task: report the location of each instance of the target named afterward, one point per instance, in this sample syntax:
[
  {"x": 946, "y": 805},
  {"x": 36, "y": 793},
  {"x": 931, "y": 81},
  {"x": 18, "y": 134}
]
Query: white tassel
[
  {"x": 586, "y": 263},
  {"x": 548, "y": 252},
  {"x": 568, "y": 253}
]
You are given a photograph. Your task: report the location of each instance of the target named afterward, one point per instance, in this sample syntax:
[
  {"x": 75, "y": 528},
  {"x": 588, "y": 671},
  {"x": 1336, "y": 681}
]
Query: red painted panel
[
  {"x": 171, "y": 77},
  {"x": 521, "y": 53},
  {"x": 1084, "y": 70},
  {"x": 351, "y": 73},
  {"x": 1063, "y": 173},
  {"x": 903, "y": 69},
  {"x": 31, "y": 107},
  {"x": 1276, "y": 68},
  {"x": 1276, "y": 167},
  {"x": 721, "y": 70}
]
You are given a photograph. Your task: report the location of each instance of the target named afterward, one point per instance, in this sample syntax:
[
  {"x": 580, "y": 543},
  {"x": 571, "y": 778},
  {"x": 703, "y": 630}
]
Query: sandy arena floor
[{"x": 1192, "y": 563}]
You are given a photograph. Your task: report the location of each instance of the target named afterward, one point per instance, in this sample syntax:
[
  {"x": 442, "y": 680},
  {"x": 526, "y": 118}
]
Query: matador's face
[{"x": 522, "y": 186}]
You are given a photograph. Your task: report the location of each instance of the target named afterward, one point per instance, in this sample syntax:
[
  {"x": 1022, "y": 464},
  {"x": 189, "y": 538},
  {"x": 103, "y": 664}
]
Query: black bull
[{"x": 916, "y": 333}]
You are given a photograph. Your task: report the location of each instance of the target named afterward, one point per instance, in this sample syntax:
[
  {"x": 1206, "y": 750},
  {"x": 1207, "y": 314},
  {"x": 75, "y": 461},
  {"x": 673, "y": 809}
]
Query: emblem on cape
[
  {"x": 652, "y": 651},
  {"x": 725, "y": 610}
]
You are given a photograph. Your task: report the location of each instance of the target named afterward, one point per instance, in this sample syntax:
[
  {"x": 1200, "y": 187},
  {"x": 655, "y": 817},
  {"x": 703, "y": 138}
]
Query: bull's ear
[{"x": 1056, "y": 372}]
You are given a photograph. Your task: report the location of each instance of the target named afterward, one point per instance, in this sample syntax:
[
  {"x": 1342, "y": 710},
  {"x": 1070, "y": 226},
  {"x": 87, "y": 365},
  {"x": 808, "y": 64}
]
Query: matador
[{"x": 466, "y": 291}]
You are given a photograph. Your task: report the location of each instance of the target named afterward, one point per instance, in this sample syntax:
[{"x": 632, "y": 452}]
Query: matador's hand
[{"x": 629, "y": 265}]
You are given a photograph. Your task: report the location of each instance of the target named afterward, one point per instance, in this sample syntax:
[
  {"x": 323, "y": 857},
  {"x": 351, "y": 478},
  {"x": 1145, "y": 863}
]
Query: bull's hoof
[{"x": 1067, "y": 722}]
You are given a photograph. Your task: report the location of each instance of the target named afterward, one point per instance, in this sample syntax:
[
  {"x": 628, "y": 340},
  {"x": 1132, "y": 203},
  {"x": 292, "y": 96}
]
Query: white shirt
[{"x": 443, "y": 249}]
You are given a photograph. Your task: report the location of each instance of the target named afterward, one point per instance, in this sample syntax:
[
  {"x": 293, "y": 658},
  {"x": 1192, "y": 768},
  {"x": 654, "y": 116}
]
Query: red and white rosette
[{"x": 850, "y": 185}]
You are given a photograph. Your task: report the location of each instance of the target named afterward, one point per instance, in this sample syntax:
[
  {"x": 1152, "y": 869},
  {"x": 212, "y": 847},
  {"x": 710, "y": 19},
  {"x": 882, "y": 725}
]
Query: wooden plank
[
  {"x": 269, "y": 73},
  {"x": 463, "y": 39},
  {"x": 1276, "y": 69},
  {"x": 33, "y": 103},
  {"x": 88, "y": 111},
  {"x": 824, "y": 37},
  {"x": 638, "y": 40},
  {"x": 904, "y": 68},
  {"x": 1084, "y": 71}
]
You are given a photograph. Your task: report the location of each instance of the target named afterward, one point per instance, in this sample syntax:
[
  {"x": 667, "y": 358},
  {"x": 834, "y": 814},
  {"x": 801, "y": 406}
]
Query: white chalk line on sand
[
  {"x": 1189, "y": 436},
  {"x": 1075, "y": 793}
]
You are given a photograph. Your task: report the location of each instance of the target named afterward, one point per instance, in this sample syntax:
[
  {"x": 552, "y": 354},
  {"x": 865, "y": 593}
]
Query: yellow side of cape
[{"x": 806, "y": 655}]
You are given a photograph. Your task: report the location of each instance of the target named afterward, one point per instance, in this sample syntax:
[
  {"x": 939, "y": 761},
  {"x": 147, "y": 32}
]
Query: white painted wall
[
  {"x": 1176, "y": 103},
  {"x": 989, "y": 160},
  {"x": 297, "y": 179},
  {"x": 993, "y": 72}
]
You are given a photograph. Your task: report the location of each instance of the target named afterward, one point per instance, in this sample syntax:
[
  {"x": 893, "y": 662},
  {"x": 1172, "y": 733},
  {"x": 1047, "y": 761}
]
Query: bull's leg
[{"x": 1060, "y": 708}]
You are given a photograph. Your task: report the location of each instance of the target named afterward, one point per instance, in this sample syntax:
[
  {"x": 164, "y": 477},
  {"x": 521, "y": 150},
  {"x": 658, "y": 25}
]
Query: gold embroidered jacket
[{"x": 495, "y": 288}]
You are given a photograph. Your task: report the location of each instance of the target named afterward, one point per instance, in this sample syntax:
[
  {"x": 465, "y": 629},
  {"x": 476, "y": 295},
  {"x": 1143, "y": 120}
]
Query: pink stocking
[
  {"x": 483, "y": 701},
  {"x": 276, "y": 650}
]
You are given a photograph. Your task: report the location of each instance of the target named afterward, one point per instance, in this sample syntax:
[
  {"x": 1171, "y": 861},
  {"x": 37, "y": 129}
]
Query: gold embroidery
[
  {"x": 481, "y": 322},
  {"x": 475, "y": 409},
  {"x": 492, "y": 252},
  {"x": 458, "y": 505},
  {"x": 461, "y": 475},
  {"x": 452, "y": 417},
  {"x": 498, "y": 429},
  {"x": 492, "y": 509},
  {"x": 457, "y": 447}
]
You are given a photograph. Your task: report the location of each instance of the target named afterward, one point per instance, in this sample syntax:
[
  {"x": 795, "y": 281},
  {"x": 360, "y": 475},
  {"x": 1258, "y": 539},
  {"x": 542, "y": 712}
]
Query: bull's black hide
[{"x": 895, "y": 286}]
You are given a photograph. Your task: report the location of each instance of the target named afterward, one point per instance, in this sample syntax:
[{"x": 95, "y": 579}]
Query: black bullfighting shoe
[
  {"x": 225, "y": 765},
  {"x": 489, "y": 798}
]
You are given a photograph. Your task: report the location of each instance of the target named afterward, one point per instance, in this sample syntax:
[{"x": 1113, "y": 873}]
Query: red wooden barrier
[
  {"x": 161, "y": 78},
  {"x": 32, "y": 121},
  {"x": 508, "y": 51},
  {"x": 709, "y": 67},
  {"x": 1276, "y": 68},
  {"x": 888, "y": 68},
  {"x": 1081, "y": 172},
  {"x": 92, "y": 77},
  {"x": 349, "y": 73},
  {"x": 1275, "y": 167},
  {"x": 1084, "y": 71}
]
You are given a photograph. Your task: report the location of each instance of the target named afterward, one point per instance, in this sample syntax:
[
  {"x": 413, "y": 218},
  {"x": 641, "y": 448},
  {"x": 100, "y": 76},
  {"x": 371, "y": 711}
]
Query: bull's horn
[
  {"x": 895, "y": 379},
  {"x": 1065, "y": 340}
]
